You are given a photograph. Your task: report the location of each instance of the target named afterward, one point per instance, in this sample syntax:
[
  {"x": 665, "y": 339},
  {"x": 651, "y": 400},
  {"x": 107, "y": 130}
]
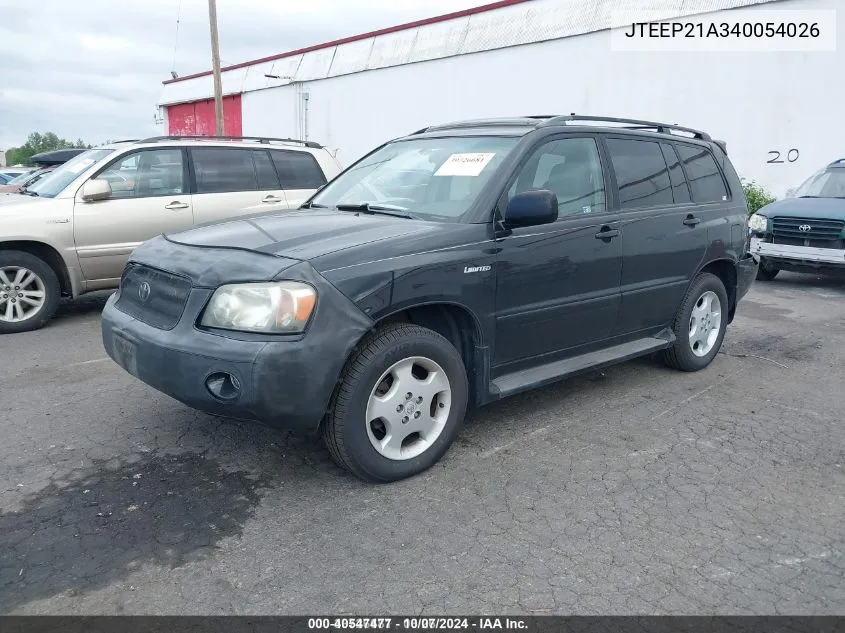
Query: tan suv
[{"x": 73, "y": 231}]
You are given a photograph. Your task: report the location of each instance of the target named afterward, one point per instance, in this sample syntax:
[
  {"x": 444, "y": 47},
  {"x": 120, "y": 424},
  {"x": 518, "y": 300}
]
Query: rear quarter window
[
  {"x": 297, "y": 170},
  {"x": 705, "y": 179}
]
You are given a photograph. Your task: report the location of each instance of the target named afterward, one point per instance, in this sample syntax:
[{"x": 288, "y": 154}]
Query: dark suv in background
[
  {"x": 806, "y": 232},
  {"x": 444, "y": 270}
]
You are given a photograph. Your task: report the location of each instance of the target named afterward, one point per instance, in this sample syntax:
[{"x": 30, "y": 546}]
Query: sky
[{"x": 92, "y": 69}]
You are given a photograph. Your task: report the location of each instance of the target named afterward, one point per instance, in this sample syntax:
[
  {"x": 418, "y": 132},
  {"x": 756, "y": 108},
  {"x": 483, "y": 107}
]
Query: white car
[{"x": 73, "y": 231}]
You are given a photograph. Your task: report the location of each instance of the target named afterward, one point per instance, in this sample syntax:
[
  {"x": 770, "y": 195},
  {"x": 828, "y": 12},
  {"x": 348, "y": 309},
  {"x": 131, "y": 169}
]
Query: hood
[
  {"x": 21, "y": 204},
  {"x": 315, "y": 234},
  {"x": 811, "y": 208}
]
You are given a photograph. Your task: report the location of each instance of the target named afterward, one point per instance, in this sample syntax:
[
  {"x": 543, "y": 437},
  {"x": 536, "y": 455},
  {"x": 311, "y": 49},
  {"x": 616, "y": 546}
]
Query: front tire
[
  {"x": 399, "y": 405},
  {"x": 700, "y": 325},
  {"x": 29, "y": 292},
  {"x": 766, "y": 271}
]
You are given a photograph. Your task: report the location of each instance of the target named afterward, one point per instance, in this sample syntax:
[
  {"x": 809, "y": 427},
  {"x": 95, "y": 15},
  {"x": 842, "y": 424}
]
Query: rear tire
[
  {"x": 700, "y": 325},
  {"x": 373, "y": 428},
  {"x": 766, "y": 271},
  {"x": 29, "y": 292}
]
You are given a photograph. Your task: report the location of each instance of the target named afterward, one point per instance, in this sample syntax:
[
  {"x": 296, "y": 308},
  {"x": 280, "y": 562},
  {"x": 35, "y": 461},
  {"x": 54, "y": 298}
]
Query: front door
[
  {"x": 150, "y": 196},
  {"x": 558, "y": 285}
]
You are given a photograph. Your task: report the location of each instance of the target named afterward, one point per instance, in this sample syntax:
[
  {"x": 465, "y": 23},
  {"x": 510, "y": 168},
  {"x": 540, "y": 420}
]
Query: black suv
[{"x": 443, "y": 271}]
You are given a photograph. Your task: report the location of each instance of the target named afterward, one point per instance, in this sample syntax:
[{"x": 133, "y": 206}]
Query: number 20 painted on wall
[{"x": 791, "y": 156}]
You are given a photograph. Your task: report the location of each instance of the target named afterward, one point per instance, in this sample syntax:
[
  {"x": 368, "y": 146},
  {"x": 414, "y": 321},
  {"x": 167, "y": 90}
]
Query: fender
[{"x": 67, "y": 257}]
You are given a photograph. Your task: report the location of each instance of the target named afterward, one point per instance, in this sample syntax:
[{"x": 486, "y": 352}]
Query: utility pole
[{"x": 215, "y": 62}]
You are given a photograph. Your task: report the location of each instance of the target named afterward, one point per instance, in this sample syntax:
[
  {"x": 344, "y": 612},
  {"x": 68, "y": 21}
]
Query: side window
[
  {"x": 223, "y": 169},
  {"x": 298, "y": 170},
  {"x": 704, "y": 176},
  {"x": 569, "y": 167},
  {"x": 680, "y": 188},
  {"x": 264, "y": 170},
  {"x": 148, "y": 173},
  {"x": 641, "y": 173}
]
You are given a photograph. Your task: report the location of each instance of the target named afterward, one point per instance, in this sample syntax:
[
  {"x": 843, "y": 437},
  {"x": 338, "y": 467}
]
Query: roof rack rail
[
  {"x": 662, "y": 128},
  {"x": 259, "y": 139},
  {"x": 475, "y": 123},
  {"x": 839, "y": 162}
]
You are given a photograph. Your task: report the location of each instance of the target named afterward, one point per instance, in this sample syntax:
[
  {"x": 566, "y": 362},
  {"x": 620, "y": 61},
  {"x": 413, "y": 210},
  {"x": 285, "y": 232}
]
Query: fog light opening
[{"x": 223, "y": 386}]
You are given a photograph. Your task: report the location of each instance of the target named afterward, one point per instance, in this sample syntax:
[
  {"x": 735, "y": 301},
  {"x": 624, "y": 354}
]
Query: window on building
[
  {"x": 641, "y": 173},
  {"x": 264, "y": 170},
  {"x": 705, "y": 179},
  {"x": 680, "y": 187},
  {"x": 223, "y": 169},
  {"x": 143, "y": 174},
  {"x": 571, "y": 168},
  {"x": 297, "y": 170}
]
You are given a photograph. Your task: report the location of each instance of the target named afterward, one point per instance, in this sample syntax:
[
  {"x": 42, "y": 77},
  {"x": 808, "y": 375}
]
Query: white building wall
[{"x": 758, "y": 102}]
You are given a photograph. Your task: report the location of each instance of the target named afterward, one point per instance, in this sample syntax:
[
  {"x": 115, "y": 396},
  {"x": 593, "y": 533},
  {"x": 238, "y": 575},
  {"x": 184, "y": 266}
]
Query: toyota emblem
[
  {"x": 804, "y": 228},
  {"x": 144, "y": 291}
]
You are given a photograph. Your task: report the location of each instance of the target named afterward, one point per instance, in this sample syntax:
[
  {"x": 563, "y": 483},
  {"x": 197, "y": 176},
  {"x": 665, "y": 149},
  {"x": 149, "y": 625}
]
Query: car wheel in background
[
  {"x": 399, "y": 405},
  {"x": 29, "y": 292},
  {"x": 766, "y": 271},
  {"x": 700, "y": 325}
]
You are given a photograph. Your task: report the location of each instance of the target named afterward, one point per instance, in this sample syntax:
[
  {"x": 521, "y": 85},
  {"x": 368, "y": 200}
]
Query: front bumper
[
  {"x": 797, "y": 254},
  {"x": 283, "y": 381}
]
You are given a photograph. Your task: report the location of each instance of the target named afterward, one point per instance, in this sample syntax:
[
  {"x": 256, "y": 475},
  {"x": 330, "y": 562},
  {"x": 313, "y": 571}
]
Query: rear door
[
  {"x": 233, "y": 181},
  {"x": 299, "y": 174},
  {"x": 665, "y": 237},
  {"x": 150, "y": 196}
]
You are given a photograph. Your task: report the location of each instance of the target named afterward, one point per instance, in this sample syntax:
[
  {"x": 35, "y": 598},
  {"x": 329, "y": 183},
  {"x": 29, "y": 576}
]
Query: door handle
[
  {"x": 271, "y": 199},
  {"x": 176, "y": 205},
  {"x": 691, "y": 220},
  {"x": 607, "y": 233}
]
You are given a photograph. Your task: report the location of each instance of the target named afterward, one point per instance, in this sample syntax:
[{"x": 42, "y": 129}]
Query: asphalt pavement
[{"x": 633, "y": 490}]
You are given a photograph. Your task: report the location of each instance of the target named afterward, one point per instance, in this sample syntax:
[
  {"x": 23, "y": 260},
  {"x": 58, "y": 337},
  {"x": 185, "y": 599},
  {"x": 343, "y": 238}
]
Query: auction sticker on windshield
[{"x": 465, "y": 164}]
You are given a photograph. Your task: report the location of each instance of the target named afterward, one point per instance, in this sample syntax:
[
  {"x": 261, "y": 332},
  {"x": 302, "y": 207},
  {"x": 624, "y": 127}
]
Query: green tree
[
  {"x": 756, "y": 195},
  {"x": 37, "y": 143}
]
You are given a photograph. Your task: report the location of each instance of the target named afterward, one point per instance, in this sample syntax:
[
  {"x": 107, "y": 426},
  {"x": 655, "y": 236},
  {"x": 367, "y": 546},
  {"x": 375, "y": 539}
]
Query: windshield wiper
[
  {"x": 380, "y": 209},
  {"x": 809, "y": 196}
]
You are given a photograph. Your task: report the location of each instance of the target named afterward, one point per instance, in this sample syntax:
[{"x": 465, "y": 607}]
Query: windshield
[
  {"x": 827, "y": 183},
  {"x": 433, "y": 179},
  {"x": 54, "y": 183}
]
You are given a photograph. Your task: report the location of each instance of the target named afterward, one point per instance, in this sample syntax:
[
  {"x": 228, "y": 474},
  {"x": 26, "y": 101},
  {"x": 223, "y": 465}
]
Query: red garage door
[{"x": 196, "y": 118}]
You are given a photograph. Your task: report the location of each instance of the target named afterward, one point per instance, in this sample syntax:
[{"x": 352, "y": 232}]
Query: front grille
[
  {"x": 155, "y": 297},
  {"x": 797, "y": 241},
  {"x": 797, "y": 228}
]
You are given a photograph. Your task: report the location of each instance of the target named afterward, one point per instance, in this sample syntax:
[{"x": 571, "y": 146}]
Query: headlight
[
  {"x": 282, "y": 307},
  {"x": 758, "y": 223}
]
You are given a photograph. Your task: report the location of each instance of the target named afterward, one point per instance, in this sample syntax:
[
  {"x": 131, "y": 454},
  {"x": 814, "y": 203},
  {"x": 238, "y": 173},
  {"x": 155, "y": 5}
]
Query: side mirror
[
  {"x": 531, "y": 208},
  {"x": 96, "y": 189}
]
